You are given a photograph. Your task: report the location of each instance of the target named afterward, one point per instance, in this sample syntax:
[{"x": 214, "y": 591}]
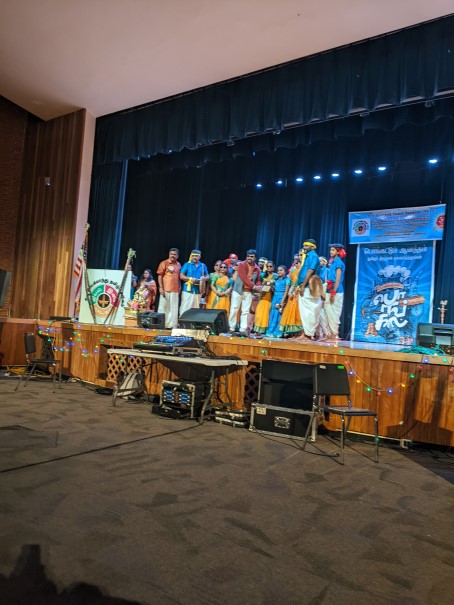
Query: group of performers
[{"x": 303, "y": 302}]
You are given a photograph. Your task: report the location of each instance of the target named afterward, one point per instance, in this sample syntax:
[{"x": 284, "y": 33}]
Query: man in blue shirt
[
  {"x": 335, "y": 289},
  {"x": 310, "y": 301},
  {"x": 194, "y": 276}
]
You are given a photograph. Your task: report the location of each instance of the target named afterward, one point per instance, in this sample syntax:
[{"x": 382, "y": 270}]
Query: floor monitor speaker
[
  {"x": 436, "y": 335},
  {"x": 151, "y": 320},
  {"x": 214, "y": 320}
]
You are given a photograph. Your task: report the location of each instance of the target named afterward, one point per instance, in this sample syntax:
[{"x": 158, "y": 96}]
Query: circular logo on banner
[
  {"x": 104, "y": 294},
  {"x": 361, "y": 227}
]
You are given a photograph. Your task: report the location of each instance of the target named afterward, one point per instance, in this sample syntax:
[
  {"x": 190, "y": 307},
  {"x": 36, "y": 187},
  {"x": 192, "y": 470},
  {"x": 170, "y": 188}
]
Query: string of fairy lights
[{"x": 55, "y": 337}]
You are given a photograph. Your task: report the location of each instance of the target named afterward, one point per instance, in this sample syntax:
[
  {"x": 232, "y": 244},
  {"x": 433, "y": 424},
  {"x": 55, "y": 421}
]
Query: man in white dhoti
[
  {"x": 310, "y": 301},
  {"x": 334, "y": 289}
]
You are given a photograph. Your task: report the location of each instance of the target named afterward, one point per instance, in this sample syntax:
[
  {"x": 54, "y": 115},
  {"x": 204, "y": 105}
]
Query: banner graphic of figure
[
  {"x": 104, "y": 287},
  {"x": 393, "y": 292}
]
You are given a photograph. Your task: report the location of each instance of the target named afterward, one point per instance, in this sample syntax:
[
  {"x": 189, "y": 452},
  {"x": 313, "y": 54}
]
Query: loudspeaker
[
  {"x": 5, "y": 278},
  {"x": 215, "y": 320},
  {"x": 286, "y": 384},
  {"x": 435, "y": 335},
  {"x": 151, "y": 320}
]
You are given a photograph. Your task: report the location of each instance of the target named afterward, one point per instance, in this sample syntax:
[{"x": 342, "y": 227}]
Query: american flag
[{"x": 80, "y": 265}]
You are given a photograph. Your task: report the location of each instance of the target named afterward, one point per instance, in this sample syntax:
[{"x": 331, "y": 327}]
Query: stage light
[
  {"x": 280, "y": 182},
  {"x": 433, "y": 161},
  {"x": 335, "y": 175},
  {"x": 358, "y": 171},
  {"x": 381, "y": 168},
  {"x": 259, "y": 185},
  {"x": 317, "y": 177},
  {"x": 299, "y": 179}
]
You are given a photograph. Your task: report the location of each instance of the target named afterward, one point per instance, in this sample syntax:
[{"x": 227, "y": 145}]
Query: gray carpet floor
[{"x": 151, "y": 510}]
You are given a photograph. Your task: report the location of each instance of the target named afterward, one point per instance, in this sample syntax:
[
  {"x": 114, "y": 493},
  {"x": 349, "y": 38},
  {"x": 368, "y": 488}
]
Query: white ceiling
[{"x": 57, "y": 56}]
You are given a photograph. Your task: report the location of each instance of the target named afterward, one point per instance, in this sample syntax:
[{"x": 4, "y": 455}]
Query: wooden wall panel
[
  {"x": 12, "y": 332},
  {"x": 45, "y": 234},
  {"x": 13, "y": 126}
]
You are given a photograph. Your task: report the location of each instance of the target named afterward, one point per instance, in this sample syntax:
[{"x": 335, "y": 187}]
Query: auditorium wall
[
  {"x": 13, "y": 126},
  {"x": 39, "y": 196}
]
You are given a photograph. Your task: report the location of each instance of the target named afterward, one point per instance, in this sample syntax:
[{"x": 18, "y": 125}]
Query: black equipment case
[{"x": 280, "y": 422}]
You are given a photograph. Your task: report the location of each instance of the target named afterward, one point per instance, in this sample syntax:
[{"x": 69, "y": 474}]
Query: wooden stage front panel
[{"x": 414, "y": 394}]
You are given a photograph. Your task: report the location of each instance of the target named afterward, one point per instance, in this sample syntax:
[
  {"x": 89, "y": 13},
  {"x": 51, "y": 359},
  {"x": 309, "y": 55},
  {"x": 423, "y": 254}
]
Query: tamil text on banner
[
  {"x": 398, "y": 225},
  {"x": 104, "y": 304},
  {"x": 394, "y": 291}
]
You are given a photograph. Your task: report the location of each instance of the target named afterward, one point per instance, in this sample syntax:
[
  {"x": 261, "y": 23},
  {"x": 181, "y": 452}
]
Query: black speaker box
[
  {"x": 286, "y": 384},
  {"x": 151, "y": 320},
  {"x": 214, "y": 320},
  {"x": 435, "y": 335},
  {"x": 5, "y": 278}
]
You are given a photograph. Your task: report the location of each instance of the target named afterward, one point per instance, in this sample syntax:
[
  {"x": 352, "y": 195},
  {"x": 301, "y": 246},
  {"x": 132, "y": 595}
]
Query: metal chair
[
  {"x": 48, "y": 361},
  {"x": 331, "y": 379}
]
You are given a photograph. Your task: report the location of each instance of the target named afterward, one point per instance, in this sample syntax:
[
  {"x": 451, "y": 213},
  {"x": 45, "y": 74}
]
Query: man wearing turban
[{"x": 310, "y": 289}]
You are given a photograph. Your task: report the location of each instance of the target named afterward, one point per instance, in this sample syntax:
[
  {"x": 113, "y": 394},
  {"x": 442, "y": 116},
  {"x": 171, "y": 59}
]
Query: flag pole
[{"x": 79, "y": 271}]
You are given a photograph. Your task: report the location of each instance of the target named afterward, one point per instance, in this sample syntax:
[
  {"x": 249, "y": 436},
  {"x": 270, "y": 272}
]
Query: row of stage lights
[{"x": 299, "y": 180}]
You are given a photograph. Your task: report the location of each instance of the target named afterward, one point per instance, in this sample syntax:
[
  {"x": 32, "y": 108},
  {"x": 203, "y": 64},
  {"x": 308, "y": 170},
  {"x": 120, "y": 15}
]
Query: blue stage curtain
[
  {"x": 217, "y": 207},
  {"x": 444, "y": 283},
  {"x": 413, "y": 64},
  {"x": 106, "y": 210}
]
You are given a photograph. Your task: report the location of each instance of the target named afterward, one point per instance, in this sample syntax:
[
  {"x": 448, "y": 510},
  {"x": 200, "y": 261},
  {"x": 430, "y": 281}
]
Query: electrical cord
[{"x": 98, "y": 449}]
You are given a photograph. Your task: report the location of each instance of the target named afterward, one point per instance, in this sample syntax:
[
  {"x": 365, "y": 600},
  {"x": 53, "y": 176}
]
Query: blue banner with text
[
  {"x": 398, "y": 225},
  {"x": 393, "y": 292}
]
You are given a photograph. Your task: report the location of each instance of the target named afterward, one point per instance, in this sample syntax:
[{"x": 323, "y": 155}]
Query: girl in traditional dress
[
  {"x": 213, "y": 276},
  {"x": 221, "y": 287},
  {"x": 262, "y": 313},
  {"x": 147, "y": 288},
  {"x": 281, "y": 289},
  {"x": 290, "y": 322}
]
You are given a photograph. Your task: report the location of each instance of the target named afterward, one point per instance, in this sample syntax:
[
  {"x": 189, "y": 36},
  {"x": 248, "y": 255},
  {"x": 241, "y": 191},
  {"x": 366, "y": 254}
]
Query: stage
[{"x": 414, "y": 394}]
